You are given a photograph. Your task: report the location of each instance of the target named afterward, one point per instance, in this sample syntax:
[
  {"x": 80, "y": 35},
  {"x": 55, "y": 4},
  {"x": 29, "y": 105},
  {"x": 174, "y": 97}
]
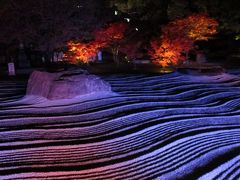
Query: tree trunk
[
  {"x": 115, "y": 56},
  {"x": 164, "y": 11}
]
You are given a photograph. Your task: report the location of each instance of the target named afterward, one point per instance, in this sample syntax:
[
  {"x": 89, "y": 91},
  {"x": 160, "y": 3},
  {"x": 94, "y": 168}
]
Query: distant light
[
  {"x": 79, "y": 6},
  {"x": 116, "y": 13},
  {"x": 136, "y": 29},
  {"x": 127, "y": 19}
]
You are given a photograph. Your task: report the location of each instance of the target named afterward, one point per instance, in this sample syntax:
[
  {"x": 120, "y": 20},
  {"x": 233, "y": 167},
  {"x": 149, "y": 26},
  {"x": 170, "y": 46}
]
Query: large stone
[{"x": 65, "y": 85}]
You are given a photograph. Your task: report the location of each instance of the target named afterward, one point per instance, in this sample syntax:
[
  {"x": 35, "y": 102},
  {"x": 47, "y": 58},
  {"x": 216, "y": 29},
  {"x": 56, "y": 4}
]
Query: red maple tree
[
  {"x": 112, "y": 36},
  {"x": 80, "y": 52},
  {"x": 178, "y": 37},
  {"x": 201, "y": 27},
  {"x": 167, "y": 52}
]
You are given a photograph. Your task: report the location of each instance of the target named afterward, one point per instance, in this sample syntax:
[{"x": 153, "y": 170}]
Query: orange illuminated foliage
[
  {"x": 201, "y": 27},
  {"x": 112, "y": 36},
  {"x": 81, "y": 52},
  {"x": 194, "y": 27},
  {"x": 113, "y": 33},
  {"x": 178, "y": 38},
  {"x": 167, "y": 52}
]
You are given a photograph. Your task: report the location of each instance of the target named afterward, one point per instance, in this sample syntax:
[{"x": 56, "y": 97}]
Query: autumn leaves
[
  {"x": 177, "y": 38},
  {"x": 110, "y": 36}
]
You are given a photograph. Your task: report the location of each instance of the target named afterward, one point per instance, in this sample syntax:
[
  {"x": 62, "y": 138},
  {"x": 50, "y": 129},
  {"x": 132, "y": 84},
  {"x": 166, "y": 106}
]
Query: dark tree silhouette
[{"x": 49, "y": 24}]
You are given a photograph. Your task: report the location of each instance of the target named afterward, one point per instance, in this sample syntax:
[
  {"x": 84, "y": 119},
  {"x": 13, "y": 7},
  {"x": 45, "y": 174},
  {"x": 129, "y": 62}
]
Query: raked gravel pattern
[{"x": 171, "y": 126}]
